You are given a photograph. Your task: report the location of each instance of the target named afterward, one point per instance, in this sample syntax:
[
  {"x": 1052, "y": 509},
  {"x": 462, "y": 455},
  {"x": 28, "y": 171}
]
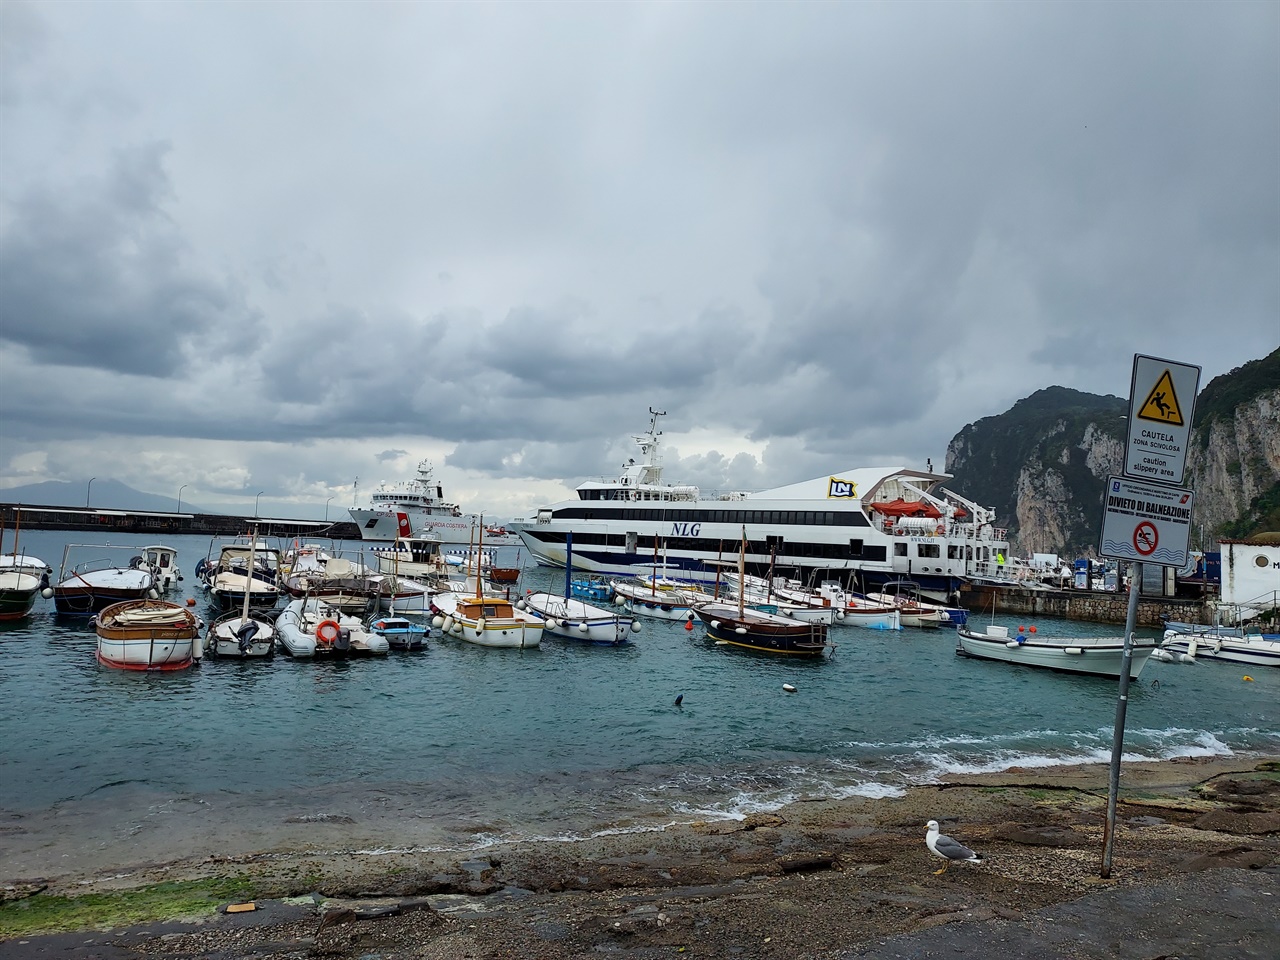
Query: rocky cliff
[{"x": 1042, "y": 464}]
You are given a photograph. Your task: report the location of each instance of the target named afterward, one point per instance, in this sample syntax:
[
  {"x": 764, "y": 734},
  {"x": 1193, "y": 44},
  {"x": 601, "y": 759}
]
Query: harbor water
[{"x": 457, "y": 747}]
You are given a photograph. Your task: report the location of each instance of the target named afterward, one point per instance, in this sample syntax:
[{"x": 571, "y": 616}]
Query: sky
[{"x": 270, "y": 254}]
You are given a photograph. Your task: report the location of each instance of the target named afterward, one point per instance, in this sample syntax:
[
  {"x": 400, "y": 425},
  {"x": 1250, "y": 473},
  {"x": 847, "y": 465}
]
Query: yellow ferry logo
[{"x": 844, "y": 489}]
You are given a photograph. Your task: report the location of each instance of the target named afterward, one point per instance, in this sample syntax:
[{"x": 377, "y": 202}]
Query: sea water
[{"x": 458, "y": 747}]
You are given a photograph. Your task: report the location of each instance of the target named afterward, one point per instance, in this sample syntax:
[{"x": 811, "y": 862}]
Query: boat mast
[
  {"x": 248, "y": 582},
  {"x": 742, "y": 570},
  {"x": 568, "y": 566},
  {"x": 476, "y": 552}
]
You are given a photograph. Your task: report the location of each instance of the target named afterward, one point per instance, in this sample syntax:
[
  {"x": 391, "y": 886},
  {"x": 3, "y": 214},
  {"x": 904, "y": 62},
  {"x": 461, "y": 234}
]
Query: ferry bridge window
[
  {"x": 927, "y": 550},
  {"x": 899, "y": 549},
  {"x": 855, "y": 548}
]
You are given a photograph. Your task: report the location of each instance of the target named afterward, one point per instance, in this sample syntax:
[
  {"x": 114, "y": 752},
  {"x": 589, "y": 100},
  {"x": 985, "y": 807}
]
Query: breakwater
[
  {"x": 159, "y": 523},
  {"x": 1095, "y": 606}
]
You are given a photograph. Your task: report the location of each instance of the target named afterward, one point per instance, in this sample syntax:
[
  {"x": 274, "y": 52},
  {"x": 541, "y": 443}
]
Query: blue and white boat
[
  {"x": 401, "y": 633},
  {"x": 574, "y": 619}
]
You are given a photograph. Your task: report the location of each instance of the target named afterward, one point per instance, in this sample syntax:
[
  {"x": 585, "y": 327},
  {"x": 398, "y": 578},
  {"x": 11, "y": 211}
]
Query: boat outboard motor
[
  {"x": 344, "y": 639},
  {"x": 246, "y": 634}
]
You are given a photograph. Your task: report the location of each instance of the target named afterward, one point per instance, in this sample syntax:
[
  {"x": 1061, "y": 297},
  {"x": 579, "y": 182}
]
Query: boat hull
[
  {"x": 95, "y": 591},
  {"x": 1092, "y": 656},
  {"x": 226, "y": 637},
  {"x": 756, "y": 630},
  {"x": 577, "y": 620},
  {"x": 147, "y": 635},
  {"x": 521, "y": 631},
  {"x": 18, "y": 593},
  {"x": 400, "y": 634}
]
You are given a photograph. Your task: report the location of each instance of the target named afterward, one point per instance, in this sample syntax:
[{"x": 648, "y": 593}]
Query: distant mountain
[
  {"x": 111, "y": 494},
  {"x": 1043, "y": 463}
]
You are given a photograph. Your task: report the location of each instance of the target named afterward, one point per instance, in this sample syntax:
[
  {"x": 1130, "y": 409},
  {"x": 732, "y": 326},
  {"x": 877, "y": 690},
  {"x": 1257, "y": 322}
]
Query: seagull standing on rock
[{"x": 940, "y": 845}]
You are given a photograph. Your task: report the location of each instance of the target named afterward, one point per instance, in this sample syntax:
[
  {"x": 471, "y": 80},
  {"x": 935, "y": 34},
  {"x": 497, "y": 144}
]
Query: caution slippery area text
[{"x": 1147, "y": 522}]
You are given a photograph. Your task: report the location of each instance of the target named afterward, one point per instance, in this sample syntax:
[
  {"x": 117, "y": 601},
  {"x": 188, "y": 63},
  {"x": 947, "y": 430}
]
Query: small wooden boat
[
  {"x": 487, "y": 621},
  {"x": 148, "y": 635},
  {"x": 241, "y": 635},
  {"x": 1096, "y": 656},
  {"x": 574, "y": 619},
  {"x": 400, "y": 633},
  {"x": 741, "y": 626}
]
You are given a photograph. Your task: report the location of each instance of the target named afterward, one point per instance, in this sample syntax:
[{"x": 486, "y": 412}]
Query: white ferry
[{"x": 864, "y": 527}]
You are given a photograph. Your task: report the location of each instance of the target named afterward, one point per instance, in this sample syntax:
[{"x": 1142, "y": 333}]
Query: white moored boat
[
  {"x": 486, "y": 621},
  {"x": 1098, "y": 656},
  {"x": 871, "y": 525},
  {"x": 575, "y": 619},
  {"x": 239, "y": 568},
  {"x": 89, "y": 586},
  {"x": 1230, "y": 645},
  {"x": 241, "y": 635}
]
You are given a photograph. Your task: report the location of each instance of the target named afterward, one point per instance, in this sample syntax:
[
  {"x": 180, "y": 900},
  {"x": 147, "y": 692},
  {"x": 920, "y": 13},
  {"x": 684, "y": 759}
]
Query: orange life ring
[
  {"x": 327, "y": 631},
  {"x": 940, "y": 531}
]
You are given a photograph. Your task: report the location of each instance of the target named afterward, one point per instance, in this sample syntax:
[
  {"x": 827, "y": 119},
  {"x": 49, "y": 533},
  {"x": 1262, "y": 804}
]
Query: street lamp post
[
  {"x": 89, "y": 490},
  {"x": 255, "y": 505},
  {"x": 326, "y": 509},
  {"x": 180, "y": 489}
]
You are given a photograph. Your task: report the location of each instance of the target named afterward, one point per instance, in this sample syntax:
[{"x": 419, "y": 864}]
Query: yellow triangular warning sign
[{"x": 1162, "y": 404}]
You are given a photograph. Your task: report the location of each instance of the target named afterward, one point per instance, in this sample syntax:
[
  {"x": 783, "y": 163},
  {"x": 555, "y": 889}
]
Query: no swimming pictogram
[{"x": 1146, "y": 538}]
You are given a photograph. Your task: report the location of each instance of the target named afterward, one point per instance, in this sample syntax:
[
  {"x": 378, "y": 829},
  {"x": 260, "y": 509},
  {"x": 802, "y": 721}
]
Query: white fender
[
  {"x": 437, "y": 621},
  {"x": 448, "y": 624},
  {"x": 740, "y": 630},
  {"x": 635, "y": 626},
  {"x": 584, "y": 627}
]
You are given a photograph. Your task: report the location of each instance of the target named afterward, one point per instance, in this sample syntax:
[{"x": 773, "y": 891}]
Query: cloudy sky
[{"x": 281, "y": 246}]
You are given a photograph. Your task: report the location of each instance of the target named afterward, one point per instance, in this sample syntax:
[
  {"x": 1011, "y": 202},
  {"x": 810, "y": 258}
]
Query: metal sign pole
[{"x": 1117, "y": 736}]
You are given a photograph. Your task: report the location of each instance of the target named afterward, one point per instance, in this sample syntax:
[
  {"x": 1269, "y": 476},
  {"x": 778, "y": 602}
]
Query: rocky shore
[{"x": 818, "y": 879}]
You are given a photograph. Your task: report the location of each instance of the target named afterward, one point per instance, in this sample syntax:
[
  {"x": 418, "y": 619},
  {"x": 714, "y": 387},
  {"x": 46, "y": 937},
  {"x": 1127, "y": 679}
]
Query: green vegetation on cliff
[
  {"x": 1045, "y": 428},
  {"x": 1225, "y": 394}
]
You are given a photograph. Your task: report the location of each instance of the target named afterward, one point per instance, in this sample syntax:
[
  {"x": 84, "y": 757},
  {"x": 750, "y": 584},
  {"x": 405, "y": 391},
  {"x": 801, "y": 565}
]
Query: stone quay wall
[{"x": 1096, "y": 606}]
